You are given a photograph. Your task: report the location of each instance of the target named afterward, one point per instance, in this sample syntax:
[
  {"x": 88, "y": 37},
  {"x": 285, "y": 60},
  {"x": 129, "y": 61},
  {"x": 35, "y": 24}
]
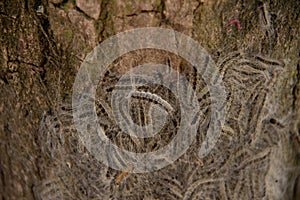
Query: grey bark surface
[{"x": 43, "y": 44}]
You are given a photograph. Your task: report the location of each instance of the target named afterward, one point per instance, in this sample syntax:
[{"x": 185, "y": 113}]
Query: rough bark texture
[{"x": 42, "y": 46}]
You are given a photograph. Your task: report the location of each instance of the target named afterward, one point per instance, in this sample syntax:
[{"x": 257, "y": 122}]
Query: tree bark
[{"x": 255, "y": 45}]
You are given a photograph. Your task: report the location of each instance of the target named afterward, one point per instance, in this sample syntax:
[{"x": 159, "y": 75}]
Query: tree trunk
[{"x": 255, "y": 47}]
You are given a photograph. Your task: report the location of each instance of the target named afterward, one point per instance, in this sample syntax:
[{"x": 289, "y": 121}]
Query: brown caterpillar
[{"x": 123, "y": 174}]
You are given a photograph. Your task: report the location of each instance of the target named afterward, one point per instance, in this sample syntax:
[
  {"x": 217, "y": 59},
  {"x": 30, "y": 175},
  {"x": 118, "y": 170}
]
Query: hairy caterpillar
[
  {"x": 153, "y": 97},
  {"x": 123, "y": 174}
]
